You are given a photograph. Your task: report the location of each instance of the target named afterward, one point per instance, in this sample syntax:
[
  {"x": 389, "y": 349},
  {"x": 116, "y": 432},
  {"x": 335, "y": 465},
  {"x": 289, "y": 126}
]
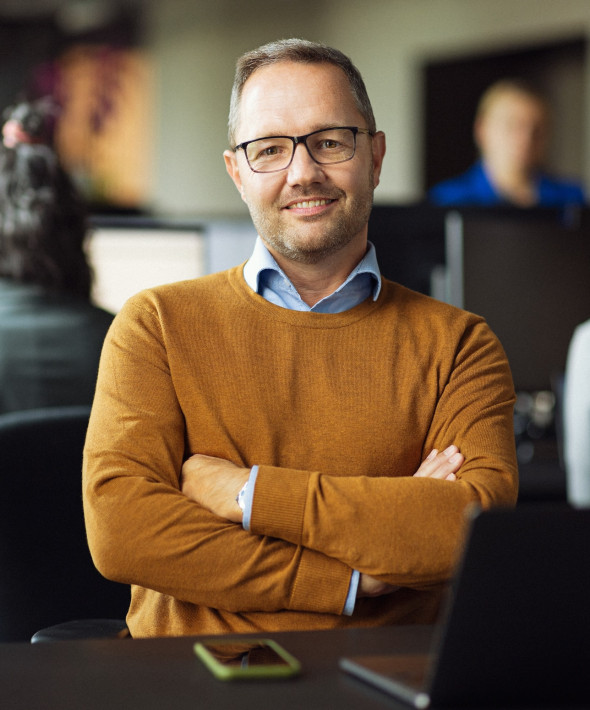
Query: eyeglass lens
[{"x": 333, "y": 145}]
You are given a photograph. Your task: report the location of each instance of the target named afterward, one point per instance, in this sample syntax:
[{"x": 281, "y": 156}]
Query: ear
[
  {"x": 233, "y": 170},
  {"x": 478, "y": 132},
  {"x": 378, "y": 148}
]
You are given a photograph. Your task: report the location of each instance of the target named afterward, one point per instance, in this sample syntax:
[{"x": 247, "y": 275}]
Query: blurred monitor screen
[
  {"x": 529, "y": 278},
  {"x": 410, "y": 243},
  {"x": 130, "y": 254},
  {"x": 125, "y": 261}
]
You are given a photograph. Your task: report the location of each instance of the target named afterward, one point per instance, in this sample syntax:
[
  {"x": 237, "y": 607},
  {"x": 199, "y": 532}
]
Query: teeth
[{"x": 309, "y": 203}]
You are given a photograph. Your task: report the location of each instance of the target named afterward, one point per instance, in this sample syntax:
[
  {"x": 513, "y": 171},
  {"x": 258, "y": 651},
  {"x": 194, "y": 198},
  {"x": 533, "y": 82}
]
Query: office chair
[{"x": 47, "y": 575}]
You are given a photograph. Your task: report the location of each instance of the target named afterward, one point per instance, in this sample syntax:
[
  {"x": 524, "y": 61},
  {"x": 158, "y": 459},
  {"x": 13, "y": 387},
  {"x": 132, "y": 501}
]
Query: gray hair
[{"x": 296, "y": 50}]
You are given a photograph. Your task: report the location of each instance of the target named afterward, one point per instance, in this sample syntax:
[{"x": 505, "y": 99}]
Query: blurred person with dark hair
[
  {"x": 50, "y": 333},
  {"x": 511, "y": 130}
]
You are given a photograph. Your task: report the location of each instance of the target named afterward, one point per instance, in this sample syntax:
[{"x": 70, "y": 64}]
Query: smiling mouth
[{"x": 306, "y": 204}]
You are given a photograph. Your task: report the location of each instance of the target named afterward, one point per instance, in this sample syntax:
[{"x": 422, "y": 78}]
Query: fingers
[
  {"x": 371, "y": 587},
  {"x": 214, "y": 484},
  {"x": 441, "y": 464}
]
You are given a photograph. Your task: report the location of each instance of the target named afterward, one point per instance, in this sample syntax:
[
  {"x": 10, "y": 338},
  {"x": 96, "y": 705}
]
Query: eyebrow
[{"x": 318, "y": 127}]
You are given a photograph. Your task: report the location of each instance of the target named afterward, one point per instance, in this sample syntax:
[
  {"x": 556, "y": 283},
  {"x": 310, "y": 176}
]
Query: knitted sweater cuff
[
  {"x": 322, "y": 582},
  {"x": 279, "y": 503}
]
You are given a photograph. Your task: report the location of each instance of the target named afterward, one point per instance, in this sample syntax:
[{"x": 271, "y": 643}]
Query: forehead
[
  {"x": 518, "y": 105},
  {"x": 293, "y": 98}
]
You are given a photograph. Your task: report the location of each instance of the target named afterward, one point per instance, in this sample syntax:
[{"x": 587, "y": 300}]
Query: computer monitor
[
  {"x": 410, "y": 243},
  {"x": 128, "y": 254},
  {"x": 529, "y": 276},
  {"x": 127, "y": 258}
]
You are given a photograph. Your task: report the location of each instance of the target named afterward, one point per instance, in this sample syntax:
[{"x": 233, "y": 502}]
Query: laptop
[{"x": 516, "y": 629}]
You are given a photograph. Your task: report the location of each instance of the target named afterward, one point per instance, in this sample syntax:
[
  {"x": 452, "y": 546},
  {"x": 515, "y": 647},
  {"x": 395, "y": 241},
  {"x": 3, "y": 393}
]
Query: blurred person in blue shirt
[{"x": 511, "y": 131}]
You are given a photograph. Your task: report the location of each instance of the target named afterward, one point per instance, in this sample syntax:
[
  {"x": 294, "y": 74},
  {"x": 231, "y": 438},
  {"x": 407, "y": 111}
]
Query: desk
[{"x": 156, "y": 674}]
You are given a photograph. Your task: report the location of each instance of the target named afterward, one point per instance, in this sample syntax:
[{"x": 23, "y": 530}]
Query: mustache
[{"x": 298, "y": 195}]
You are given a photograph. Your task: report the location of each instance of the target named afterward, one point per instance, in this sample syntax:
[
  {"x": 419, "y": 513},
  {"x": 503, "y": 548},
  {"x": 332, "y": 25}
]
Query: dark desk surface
[{"x": 164, "y": 673}]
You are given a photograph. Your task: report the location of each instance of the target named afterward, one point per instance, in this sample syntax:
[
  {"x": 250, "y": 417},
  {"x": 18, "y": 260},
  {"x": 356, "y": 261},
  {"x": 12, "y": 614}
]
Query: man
[
  {"x": 511, "y": 132},
  {"x": 293, "y": 443}
]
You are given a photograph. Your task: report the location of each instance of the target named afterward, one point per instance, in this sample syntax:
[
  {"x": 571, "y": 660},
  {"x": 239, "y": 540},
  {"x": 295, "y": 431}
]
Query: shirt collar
[{"x": 265, "y": 277}]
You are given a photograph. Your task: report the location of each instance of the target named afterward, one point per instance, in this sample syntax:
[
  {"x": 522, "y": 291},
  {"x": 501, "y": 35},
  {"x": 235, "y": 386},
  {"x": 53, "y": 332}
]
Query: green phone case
[{"x": 226, "y": 671}]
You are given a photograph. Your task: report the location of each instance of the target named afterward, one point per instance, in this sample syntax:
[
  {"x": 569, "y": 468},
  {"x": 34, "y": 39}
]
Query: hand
[
  {"x": 214, "y": 483},
  {"x": 371, "y": 587},
  {"x": 441, "y": 464},
  {"x": 438, "y": 464}
]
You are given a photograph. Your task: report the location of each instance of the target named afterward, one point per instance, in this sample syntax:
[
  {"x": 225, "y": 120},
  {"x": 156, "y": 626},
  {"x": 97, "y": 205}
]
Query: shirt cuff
[
  {"x": 352, "y": 591},
  {"x": 249, "y": 498}
]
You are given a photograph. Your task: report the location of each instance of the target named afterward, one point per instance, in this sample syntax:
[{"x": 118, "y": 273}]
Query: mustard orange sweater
[{"x": 337, "y": 409}]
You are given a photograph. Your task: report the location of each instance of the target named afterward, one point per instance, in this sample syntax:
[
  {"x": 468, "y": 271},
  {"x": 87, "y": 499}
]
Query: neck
[{"x": 315, "y": 281}]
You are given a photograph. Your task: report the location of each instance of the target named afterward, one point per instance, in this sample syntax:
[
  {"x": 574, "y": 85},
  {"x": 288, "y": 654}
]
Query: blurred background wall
[{"x": 145, "y": 84}]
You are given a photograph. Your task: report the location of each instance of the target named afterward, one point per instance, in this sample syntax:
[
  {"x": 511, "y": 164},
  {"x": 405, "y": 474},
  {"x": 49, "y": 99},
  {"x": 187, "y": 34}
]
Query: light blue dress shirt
[{"x": 265, "y": 277}]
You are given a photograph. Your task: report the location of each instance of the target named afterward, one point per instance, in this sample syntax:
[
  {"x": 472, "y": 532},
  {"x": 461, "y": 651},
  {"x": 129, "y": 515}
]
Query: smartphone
[{"x": 251, "y": 658}]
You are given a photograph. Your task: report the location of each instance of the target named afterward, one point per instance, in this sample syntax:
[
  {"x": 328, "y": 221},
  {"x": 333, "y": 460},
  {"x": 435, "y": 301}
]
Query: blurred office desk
[{"x": 164, "y": 673}]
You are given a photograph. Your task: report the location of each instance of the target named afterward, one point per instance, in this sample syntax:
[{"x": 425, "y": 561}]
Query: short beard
[{"x": 338, "y": 234}]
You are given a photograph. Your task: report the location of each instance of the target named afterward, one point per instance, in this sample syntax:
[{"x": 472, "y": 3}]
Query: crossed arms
[
  {"x": 309, "y": 530},
  {"x": 214, "y": 483}
]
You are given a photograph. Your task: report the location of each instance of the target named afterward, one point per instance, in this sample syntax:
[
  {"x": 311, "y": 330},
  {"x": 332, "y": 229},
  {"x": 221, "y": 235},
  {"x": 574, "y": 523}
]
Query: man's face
[
  {"x": 513, "y": 132},
  {"x": 307, "y": 211}
]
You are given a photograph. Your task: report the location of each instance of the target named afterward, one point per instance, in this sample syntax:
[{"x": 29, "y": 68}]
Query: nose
[{"x": 303, "y": 169}]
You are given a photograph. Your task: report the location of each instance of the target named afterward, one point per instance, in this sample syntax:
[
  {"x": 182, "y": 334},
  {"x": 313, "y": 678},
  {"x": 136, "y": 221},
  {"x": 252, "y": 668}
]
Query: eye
[
  {"x": 328, "y": 144},
  {"x": 267, "y": 149},
  {"x": 270, "y": 150},
  {"x": 333, "y": 144}
]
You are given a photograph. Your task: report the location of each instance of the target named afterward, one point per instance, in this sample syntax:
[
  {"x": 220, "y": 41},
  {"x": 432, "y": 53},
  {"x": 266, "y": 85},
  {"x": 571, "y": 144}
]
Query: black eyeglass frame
[{"x": 303, "y": 139}]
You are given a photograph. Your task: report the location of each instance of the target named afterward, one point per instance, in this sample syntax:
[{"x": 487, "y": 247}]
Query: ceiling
[{"x": 38, "y": 9}]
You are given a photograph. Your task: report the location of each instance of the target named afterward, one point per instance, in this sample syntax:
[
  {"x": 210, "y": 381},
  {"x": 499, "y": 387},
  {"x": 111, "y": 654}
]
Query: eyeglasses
[{"x": 326, "y": 147}]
